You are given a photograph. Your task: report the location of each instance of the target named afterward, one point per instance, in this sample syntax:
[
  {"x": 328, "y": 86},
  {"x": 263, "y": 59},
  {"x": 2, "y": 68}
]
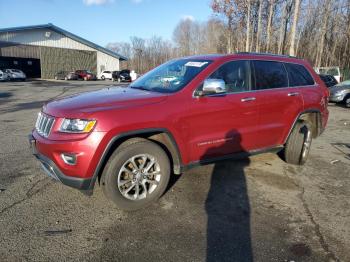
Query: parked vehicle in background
[
  {"x": 85, "y": 75},
  {"x": 65, "y": 75},
  {"x": 16, "y": 74},
  {"x": 115, "y": 76},
  {"x": 133, "y": 75},
  {"x": 4, "y": 76},
  {"x": 124, "y": 75},
  {"x": 121, "y": 76},
  {"x": 329, "y": 80},
  {"x": 186, "y": 112},
  {"x": 340, "y": 93},
  {"x": 331, "y": 70},
  {"x": 106, "y": 75}
]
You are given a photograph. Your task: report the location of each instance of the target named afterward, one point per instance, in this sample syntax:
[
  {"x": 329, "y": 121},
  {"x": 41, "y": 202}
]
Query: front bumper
[{"x": 51, "y": 169}]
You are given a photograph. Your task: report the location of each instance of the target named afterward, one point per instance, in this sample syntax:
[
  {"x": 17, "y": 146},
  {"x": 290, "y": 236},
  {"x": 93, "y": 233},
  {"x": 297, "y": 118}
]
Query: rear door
[
  {"x": 280, "y": 104},
  {"x": 300, "y": 76}
]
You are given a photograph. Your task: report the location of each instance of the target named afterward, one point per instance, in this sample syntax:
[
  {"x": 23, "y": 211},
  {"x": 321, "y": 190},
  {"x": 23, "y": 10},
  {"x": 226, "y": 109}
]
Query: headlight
[{"x": 77, "y": 125}]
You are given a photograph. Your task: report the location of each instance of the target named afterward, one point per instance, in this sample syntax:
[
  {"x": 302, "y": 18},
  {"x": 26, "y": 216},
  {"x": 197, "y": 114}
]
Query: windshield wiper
[{"x": 141, "y": 88}]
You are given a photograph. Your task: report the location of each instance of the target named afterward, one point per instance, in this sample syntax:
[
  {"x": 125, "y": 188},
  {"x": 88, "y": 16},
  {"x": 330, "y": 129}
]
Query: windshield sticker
[{"x": 196, "y": 64}]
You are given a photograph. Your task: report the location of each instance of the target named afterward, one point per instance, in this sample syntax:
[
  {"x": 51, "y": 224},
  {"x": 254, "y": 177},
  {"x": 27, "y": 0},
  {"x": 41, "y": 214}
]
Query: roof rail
[{"x": 270, "y": 54}]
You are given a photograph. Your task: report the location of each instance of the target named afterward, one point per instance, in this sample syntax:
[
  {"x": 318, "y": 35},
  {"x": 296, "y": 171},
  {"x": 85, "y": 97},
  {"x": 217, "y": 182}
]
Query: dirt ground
[{"x": 256, "y": 209}]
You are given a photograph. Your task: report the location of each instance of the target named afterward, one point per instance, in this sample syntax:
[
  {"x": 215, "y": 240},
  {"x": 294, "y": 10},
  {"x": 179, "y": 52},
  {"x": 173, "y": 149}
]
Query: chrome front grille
[{"x": 44, "y": 124}]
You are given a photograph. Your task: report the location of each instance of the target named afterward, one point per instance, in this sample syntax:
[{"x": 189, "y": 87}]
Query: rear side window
[
  {"x": 270, "y": 74},
  {"x": 298, "y": 75}
]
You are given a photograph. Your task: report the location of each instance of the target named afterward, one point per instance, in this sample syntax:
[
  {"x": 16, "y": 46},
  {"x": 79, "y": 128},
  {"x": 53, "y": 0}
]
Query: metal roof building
[{"x": 44, "y": 50}]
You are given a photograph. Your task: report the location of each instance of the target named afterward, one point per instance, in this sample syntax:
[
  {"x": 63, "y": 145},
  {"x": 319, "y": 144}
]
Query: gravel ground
[{"x": 256, "y": 209}]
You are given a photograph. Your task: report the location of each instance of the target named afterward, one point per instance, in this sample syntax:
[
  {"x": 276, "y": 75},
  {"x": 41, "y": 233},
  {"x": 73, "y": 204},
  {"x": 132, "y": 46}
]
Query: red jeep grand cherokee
[{"x": 188, "y": 111}]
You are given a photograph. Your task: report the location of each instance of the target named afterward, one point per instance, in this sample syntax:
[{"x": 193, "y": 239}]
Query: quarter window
[
  {"x": 270, "y": 74},
  {"x": 298, "y": 75},
  {"x": 235, "y": 74}
]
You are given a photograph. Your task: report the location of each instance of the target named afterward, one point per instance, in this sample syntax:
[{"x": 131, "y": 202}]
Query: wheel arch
[
  {"x": 161, "y": 136},
  {"x": 347, "y": 96},
  {"x": 314, "y": 117}
]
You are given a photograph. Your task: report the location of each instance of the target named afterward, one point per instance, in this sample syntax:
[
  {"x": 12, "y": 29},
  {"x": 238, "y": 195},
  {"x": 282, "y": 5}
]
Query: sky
[{"x": 105, "y": 21}]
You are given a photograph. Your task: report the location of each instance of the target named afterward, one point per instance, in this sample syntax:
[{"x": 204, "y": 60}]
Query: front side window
[
  {"x": 299, "y": 76},
  {"x": 235, "y": 75},
  {"x": 270, "y": 74},
  {"x": 171, "y": 76}
]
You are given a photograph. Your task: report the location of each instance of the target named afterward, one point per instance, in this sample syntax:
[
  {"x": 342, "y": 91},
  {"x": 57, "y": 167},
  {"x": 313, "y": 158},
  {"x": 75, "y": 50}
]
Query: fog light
[{"x": 69, "y": 159}]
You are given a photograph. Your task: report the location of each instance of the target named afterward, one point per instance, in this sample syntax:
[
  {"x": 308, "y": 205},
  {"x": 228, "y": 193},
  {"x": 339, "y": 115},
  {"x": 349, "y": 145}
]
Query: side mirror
[{"x": 213, "y": 86}]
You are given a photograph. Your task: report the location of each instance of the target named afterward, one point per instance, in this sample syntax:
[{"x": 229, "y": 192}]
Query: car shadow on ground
[
  {"x": 226, "y": 235},
  {"x": 228, "y": 208}
]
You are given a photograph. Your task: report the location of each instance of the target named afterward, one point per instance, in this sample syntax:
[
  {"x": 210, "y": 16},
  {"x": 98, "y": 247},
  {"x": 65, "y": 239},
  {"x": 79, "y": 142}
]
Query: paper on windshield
[{"x": 196, "y": 64}]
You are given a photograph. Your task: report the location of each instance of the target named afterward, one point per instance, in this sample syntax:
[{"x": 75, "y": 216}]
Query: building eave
[{"x": 67, "y": 34}]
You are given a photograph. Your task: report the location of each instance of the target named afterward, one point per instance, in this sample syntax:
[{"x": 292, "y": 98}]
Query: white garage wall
[
  {"x": 39, "y": 37},
  {"x": 106, "y": 62}
]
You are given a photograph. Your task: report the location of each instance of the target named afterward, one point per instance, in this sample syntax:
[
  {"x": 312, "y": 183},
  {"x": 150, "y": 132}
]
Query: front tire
[
  {"x": 298, "y": 145},
  {"x": 136, "y": 174},
  {"x": 103, "y": 77}
]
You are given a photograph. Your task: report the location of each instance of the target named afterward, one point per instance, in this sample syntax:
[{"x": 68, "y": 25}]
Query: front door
[{"x": 226, "y": 123}]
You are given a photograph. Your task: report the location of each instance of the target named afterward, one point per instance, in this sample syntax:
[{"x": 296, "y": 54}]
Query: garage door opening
[{"x": 30, "y": 66}]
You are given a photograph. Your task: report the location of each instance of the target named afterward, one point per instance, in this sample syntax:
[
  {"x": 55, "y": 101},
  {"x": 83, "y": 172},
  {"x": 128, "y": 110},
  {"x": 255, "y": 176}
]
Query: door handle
[
  {"x": 293, "y": 94},
  {"x": 247, "y": 99}
]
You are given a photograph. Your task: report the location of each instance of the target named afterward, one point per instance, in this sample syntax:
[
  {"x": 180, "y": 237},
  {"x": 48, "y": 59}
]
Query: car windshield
[
  {"x": 171, "y": 76},
  {"x": 344, "y": 83}
]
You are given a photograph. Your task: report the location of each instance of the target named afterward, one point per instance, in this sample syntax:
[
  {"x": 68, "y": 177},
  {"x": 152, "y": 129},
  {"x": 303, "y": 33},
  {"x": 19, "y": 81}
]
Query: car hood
[
  {"x": 85, "y": 104},
  {"x": 337, "y": 88}
]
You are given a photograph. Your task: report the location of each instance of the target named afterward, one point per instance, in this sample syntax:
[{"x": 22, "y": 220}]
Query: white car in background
[
  {"x": 330, "y": 70},
  {"x": 106, "y": 75},
  {"x": 4, "y": 76},
  {"x": 16, "y": 74}
]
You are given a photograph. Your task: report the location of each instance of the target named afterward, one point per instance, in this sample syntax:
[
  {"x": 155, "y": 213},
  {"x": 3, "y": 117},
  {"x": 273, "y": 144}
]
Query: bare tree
[
  {"x": 247, "y": 45},
  {"x": 294, "y": 28},
  {"x": 269, "y": 24},
  {"x": 284, "y": 26},
  {"x": 323, "y": 33},
  {"x": 259, "y": 28}
]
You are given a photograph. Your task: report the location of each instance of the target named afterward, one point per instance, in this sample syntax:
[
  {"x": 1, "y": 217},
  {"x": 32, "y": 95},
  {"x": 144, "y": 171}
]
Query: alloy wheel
[{"x": 139, "y": 177}]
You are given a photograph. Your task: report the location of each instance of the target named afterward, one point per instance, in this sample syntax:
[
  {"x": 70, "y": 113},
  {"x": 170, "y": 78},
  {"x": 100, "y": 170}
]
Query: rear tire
[
  {"x": 298, "y": 145},
  {"x": 130, "y": 180}
]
